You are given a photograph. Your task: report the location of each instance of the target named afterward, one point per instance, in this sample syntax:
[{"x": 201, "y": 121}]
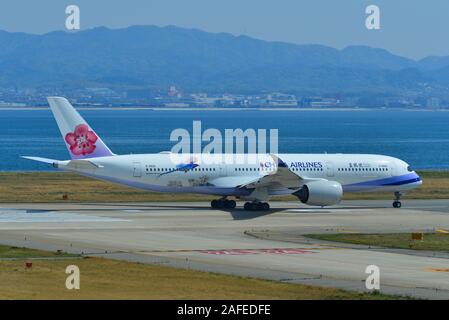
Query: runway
[{"x": 268, "y": 245}]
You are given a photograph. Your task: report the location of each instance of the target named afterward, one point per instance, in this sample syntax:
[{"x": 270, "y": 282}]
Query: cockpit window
[{"x": 409, "y": 169}]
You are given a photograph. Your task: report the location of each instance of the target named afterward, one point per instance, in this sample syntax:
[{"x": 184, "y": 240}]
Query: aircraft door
[
  {"x": 330, "y": 169},
  {"x": 392, "y": 169},
  {"x": 222, "y": 170},
  {"x": 137, "y": 170}
]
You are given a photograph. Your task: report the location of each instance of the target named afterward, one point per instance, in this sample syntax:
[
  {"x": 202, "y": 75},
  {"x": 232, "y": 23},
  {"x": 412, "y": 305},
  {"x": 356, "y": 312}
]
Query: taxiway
[{"x": 268, "y": 245}]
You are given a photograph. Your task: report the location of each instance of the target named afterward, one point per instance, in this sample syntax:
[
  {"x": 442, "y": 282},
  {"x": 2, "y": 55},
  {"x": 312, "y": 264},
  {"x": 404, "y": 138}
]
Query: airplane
[{"x": 315, "y": 179}]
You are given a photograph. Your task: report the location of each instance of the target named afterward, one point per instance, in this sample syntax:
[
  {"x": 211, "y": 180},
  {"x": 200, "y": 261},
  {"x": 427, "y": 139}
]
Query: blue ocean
[{"x": 418, "y": 137}]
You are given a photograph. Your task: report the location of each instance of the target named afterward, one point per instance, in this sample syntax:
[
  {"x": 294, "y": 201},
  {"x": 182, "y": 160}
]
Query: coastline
[{"x": 231, "y": 109}]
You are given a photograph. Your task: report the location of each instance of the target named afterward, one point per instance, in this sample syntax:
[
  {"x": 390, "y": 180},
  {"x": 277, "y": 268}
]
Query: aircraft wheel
[
  {"x": 248, "y": 206},
  {"x": 256, "y": 206},
  {"x": 218, "y": 203},
  {"x": 230, "y": 204},
  {"x": 397, "y": 204}
]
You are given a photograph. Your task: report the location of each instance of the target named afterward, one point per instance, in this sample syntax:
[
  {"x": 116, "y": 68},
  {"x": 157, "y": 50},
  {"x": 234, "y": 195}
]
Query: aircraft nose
[{"x": 417, "y": 178}]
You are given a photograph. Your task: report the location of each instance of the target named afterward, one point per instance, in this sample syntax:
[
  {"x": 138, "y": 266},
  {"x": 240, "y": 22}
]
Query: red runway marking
[
  {"x": 285, "y": 251},
  {"x": 230, "y": 252},
  {"x": 256, "y": 251}
]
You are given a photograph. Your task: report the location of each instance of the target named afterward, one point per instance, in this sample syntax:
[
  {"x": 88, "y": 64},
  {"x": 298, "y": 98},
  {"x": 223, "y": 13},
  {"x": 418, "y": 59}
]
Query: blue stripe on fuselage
[{"x": 392, "y": 181}]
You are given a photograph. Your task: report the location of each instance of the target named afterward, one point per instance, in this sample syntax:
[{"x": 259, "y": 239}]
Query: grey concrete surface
[{"x": 260, "y": 244}]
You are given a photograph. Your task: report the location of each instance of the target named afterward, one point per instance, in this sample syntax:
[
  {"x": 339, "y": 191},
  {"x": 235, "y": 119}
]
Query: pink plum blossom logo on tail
[{"x": 81, "y": 140}]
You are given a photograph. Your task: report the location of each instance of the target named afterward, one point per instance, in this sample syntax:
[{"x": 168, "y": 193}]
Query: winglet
[{"x": 279, "y": 162}]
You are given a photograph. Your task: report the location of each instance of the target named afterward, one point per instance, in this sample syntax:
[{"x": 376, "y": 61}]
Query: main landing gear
[
  {"x": 256, "y": 206},
  {"x": 397, "y": 198},
  {"x": 223, "y": 203}
]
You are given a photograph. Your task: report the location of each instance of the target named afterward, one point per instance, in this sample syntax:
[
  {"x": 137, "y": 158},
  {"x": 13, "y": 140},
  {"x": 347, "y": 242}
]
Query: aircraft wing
[
  {"x": 232, "y": 182},
  {"x": 283, "y": 177}
]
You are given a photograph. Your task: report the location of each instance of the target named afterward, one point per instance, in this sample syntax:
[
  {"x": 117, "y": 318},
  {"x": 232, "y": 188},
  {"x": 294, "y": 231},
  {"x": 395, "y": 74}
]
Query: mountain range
[{"x": 193, "y": 60}]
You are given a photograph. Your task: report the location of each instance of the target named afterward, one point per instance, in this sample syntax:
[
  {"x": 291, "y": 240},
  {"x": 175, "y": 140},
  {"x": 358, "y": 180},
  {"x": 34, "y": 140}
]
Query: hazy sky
[{"x": 412, "y": 28}]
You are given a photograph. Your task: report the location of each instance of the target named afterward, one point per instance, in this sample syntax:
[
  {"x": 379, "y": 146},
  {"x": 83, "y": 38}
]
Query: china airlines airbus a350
[{"x": 315, "y": 179}]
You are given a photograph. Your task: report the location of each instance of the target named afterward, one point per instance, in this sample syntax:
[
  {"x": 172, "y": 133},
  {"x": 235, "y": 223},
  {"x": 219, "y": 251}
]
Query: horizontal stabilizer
[
  {"x": 44, "y": 160},
  {"x": 77, "y": 165}
]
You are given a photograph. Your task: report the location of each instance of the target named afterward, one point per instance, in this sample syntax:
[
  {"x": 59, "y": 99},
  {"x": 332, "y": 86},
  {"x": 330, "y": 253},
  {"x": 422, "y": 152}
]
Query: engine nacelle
[{"x": 320, "y": 193}]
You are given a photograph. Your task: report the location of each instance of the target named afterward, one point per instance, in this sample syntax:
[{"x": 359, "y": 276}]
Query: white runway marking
[
  {"x": 17, "y": 215},
  {"x": 327, "y": 211}
]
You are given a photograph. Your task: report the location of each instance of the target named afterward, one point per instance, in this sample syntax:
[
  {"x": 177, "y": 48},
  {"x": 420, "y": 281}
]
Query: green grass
[
  {"x": 51, "y": 186},
  {"x": 24, "y": 253},
  {"x": 36, "y": 187},
  {"x": 111, "y": 279},
  {"x": 434, "y": 174},
  {"x": 432, "y": 241}
]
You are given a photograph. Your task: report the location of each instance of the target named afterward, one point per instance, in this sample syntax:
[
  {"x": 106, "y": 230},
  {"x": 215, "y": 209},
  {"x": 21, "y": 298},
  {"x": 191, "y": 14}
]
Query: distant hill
[{"x": 194, "y": 60}]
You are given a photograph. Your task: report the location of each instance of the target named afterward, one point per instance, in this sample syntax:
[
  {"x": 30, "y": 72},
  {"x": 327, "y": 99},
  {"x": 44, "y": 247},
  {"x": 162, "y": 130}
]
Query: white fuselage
[{"x": 159, "y": 172}]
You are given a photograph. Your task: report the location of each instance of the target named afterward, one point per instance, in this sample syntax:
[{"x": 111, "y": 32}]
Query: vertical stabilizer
[{"x": 80, "y": 139}]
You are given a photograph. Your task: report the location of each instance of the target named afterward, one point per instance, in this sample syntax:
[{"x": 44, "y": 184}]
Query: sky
[{"x": 410, "y": 28}]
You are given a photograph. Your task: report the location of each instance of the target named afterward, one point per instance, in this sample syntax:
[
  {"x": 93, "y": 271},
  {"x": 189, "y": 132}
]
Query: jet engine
[{"x": 320, "y": 193}]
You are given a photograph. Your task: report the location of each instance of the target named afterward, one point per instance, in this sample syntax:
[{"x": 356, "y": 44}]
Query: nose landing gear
[{"x": 397, "y": 202}]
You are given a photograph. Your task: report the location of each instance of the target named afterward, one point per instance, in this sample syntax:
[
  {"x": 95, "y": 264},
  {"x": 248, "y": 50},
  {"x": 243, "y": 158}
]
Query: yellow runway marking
[
  {"x": 442, "y": 231},
  {"x": 437, "y": 269}
]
